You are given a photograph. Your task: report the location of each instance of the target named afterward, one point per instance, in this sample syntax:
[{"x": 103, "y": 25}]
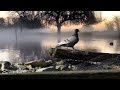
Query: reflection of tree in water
[
  {"x": 30, "y": 51},
  {"x": 117, "y": 45}
]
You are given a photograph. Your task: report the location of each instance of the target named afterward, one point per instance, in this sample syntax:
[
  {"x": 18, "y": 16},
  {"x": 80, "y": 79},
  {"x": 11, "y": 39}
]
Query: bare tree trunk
[
  {"x": 16, "y": 37},
  {"x": 59, "y": 33},
  {"x": 21, "y": 26},
  {"x": 118, "y": 28}
]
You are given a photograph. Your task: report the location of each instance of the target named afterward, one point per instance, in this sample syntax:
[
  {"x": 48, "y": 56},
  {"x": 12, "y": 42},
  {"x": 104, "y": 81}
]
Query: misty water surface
[{"x": 33, "y": 44}]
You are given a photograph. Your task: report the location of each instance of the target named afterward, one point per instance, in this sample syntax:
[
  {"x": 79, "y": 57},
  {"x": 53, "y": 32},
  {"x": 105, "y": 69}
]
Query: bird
[
  {"x": 111, "y": 43},
  {"x": 70, "y": 41}
]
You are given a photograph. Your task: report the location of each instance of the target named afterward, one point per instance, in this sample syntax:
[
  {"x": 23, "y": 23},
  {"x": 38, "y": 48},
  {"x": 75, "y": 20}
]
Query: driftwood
[
  {"x": 79, "y": 55},
  {"x": 38, "y": 64}
]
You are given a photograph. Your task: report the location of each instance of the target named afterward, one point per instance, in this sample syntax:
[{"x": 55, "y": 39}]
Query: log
[{"x": 78, "y": 54}]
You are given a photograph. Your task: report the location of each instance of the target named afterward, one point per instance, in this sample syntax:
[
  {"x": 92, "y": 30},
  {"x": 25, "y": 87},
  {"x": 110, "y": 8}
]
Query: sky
[
  {"x": 108, "y": 15},
  {"x": 4, "y": 14}
]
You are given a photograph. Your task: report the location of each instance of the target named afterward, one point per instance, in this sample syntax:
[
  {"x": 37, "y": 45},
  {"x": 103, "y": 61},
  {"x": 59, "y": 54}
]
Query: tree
[
  {"x": 29, "y": 19},
  {"x": 15, "y": 21},
  {"x": 2, "y": 21},
  {"x": 116, "y": 21},
  {"x": 109, "y": 25},
  {"x": 58, "y": 18},
  {"x": 87, "y": 28}
]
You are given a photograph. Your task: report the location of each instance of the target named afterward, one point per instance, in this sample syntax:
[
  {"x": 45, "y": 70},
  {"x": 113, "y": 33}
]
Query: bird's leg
[
  {"x": 67, "y": 46},
  {"x": 73, "y": 48}
]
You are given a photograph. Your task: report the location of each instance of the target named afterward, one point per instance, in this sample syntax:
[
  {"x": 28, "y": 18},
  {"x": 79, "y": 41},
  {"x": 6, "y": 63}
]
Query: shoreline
[
  {"x": 98, "y": 65},
  {"x": 104, "y": 74}
]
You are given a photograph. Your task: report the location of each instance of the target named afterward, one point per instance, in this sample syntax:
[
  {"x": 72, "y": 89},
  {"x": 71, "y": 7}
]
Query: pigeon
[{"x": 71, "y": 41}]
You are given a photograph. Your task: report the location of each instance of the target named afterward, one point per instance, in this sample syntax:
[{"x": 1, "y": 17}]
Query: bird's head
[{"x": 77, "y": 30}]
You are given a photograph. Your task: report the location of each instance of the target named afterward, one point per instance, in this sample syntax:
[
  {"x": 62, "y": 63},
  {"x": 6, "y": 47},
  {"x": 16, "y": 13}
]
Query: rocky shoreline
[
  {"x": 81, "y": 62},
  {"x": 59, "y": 65}
]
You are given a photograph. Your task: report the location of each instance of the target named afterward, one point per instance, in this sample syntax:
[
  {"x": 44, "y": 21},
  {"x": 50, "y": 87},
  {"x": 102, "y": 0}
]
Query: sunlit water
[{"x": 31, "y": 45}]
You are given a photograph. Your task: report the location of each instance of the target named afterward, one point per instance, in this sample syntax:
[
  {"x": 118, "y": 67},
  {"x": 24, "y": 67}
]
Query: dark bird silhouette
[
  {"x": 111, "y": 43},
  {"x": 71, "y": 41}
]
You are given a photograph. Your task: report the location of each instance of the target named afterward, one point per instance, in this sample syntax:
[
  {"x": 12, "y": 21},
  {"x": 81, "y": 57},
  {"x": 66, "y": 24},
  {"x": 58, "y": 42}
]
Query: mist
[{"x": 31, "y": 44}]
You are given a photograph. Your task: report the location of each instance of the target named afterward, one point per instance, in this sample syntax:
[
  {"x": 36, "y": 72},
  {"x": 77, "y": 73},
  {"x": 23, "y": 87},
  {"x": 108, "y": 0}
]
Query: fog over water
[{"x": 34, "y": 43}]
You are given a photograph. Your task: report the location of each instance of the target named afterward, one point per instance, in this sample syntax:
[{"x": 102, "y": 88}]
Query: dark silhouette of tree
[
  {"x": 15, "y": 21},
  {"x": 29, "y": 19},
  {"x": 109, "y": 26},
  {"x": 2, "y": 22},
  {"x": 116, "y": 21},
  {"x": 59, "y": 18}
]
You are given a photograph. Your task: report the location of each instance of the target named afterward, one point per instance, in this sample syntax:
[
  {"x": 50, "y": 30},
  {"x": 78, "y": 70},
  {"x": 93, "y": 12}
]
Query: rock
[
  {"x": 32, "y": 70},
  {"x": 60, "y": 62},
  {"x": 74, "y": 62},
  {"x": 115, "y": 67},
  {"x": 104, "y": 57},
  {"x": 69, "y": 66},
  {"x": 0, "y": 71},
  {"x": 28, "y": 67},
  {"x": 107, "y": 67},
  {"x": 74, "y": 67},
  {"x": 38, "y": 64},
  {"x": 61, "y": 67},
  {"x": 5, "y": 71},
  {"x": 5, "y": 65},
  {"x": 13, "y": 67},
  {"x": 22, "y": 66},
  {"x": 49, "y": 61},
  {"x": 72, "y": 54}
]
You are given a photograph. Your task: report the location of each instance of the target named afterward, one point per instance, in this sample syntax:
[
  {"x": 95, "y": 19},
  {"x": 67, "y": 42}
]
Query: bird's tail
[{"x": 56, "y": 46}]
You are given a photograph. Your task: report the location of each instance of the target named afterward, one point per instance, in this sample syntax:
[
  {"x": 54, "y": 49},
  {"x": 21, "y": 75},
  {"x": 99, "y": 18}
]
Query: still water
[{"x": 33, "y": 44}]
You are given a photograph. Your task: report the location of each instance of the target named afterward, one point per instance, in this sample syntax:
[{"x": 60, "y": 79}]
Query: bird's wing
[{"x": 67, "y": 41}]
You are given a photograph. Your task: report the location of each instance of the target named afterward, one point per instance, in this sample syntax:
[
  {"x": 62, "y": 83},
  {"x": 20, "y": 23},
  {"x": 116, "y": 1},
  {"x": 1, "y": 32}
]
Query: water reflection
[
  {"x": 29, "y": 50},
  {"x": 34, "y": 45}
]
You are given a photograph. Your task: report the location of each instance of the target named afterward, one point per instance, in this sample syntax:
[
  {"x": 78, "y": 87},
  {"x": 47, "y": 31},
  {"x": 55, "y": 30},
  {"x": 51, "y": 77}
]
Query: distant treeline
[
  {"x": 40, "y": 19},
  {"x": 27, "y": 19},
  {"x": 21, "y": 22}
]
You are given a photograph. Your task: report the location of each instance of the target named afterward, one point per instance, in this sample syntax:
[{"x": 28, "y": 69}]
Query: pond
[{"x": 33, "y": 44}]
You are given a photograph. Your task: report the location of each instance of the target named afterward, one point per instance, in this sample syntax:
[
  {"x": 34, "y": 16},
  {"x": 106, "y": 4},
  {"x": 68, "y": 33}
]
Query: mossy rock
[{"x": 73, "y": 54}]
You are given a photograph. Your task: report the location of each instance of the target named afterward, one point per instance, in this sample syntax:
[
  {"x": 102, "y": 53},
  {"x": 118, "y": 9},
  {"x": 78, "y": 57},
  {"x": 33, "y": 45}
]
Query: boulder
[
  {"x": 21, "y": 66},
  {"x": 5, "y": 65},
  {"x": 61, "y": 67},
  {"x": 60, "y": 62},
  {"x": 79, "y": 55}
]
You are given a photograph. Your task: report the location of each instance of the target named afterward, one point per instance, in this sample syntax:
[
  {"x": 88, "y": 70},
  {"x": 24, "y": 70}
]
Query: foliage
[{"x": 30, "y": 19}]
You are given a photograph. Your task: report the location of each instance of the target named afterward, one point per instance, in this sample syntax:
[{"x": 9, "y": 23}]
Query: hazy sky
[
  {"x": 110, "y": 14},
  {"x": 4, "y": 14}
]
